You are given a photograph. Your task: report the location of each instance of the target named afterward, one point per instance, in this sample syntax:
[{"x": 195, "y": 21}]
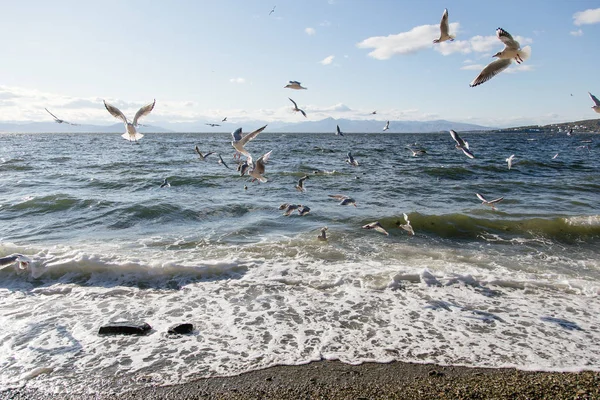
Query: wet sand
[{"x": 397, "y": 380}]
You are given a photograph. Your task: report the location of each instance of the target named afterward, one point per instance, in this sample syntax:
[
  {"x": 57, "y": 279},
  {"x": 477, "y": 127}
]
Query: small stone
[
  {"x": 125, "y": 328},
  {"x": 181, "y": 329}
]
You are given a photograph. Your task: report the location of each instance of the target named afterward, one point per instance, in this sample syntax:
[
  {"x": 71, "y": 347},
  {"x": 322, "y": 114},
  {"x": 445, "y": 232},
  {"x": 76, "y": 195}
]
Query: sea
[{"x": 514, "y": 286}]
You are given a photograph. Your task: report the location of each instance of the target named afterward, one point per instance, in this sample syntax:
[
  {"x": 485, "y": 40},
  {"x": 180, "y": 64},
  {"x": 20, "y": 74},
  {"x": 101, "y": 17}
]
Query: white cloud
[
  {"x": 519, "y": 68},
  {"x": 325, "y": 23},
  {"x": 469, "y": 61},
  {"x": 456, "y": 46},
  {"x": 418, "y": 38},
  {"x": 310, "y": 31},
  {"x": 327, "y": 60},
  {"x": 591, "y": 16},
  {"x": 578, "y": 32},
  {"x": 237, "y": 80},
  {"x": 477, "y": 67}
]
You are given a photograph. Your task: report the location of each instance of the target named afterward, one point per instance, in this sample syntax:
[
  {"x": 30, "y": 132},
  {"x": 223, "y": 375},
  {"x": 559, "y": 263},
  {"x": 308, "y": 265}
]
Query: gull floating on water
[
  {"x": 131, "y": 133},
  {"x": 417, "y": 152},
  {"x": 461, "y": 144},
  {"x": 300, "y": 185},
  {"x": 165, "y": 184},
  {"x": 376, "y": 226},
  {"x": 407, "y": 227},
  {"x": 294, "y": 85},
  {"x": 202, "y": 156},
  {"x": 222, "y": 162},
  {"x": 596, "y": 106},
  {"x": 338, "y": 131},
  {"x": 323, "y": 236},
  {"x": 289, "y": 208},
  {"x": 240, "y": 141},
  {"x": 58, "y": 120},
  {"x": 387, "y": 126},
  {"x": 344, "y": 200},
  {"x": 350, "y": 160},
  {"x": 512, "y": 50},
  {"x": 444, "y": 29},
  {"x": 509, "y": 160},
  {"x": 491, "y": 203},
  {"x": 303, "y": 210},
  {"x": 259, "y": 168},
  {"x": 296, "y": 108}
]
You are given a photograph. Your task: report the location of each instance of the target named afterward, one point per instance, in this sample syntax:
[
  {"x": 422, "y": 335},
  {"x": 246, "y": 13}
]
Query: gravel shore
[{"x": 397, "y": 380}]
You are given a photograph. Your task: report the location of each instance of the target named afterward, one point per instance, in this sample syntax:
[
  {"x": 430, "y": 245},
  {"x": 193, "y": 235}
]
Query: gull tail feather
[
  {"x": 525, "y": 52},
  {"x": 131, "y": 138}
]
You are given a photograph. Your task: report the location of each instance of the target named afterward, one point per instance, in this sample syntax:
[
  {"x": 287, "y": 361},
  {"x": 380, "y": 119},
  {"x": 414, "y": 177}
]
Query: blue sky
[{"x": 210, "y": 59}]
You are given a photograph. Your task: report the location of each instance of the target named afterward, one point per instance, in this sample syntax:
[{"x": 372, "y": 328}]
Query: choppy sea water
[{"x": 513, "y": 287}]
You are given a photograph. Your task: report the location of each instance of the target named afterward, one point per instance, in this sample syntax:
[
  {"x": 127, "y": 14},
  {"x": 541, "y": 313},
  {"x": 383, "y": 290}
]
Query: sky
[{"x": 206, "y": 60}]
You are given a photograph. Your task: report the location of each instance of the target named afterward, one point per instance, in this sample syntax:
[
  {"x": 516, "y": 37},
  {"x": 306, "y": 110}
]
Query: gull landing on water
[
  {"x": 595, "y": 107},
  {"x": 350, "y": 160},
  {"x": 512, "y": 50},
  {"x": 407, "y": 227},
  {"x": 387, "y": 126},
  {"x": 58, "y": 120},
  {"x": 509, "y": 161},
  {"x": 444, "y": 29},
  {"x": 323, "y": 236},
  {"x": 461, "y": 144},
  {"x": 165, "y": 184},
  {"x": 131, "y": 133},
  {"x": 344, "y": 200},
  {"x": 491, "y": 203},
  {"x": 294, "y": 85},
  {"x": 240, "y": 141},
  {"x": 300, "y": 185},
  {"x": 376, "y": 226},
  {"x": 296, "y": 108}
]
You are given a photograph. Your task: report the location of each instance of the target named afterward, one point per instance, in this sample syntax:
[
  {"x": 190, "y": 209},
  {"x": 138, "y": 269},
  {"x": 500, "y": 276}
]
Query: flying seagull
[
  {"x": 374, "y": 112},
  {"x": 296, "y": 107},
  {"x": 323, "y": 236},
  {"x": 338, "y": 132},
  {"x": 461, "y": 144},
  {"x": 213, "y": 125},
  {"x": 417, "y": 152},
  {"x": 350, "y": 160},
  {"x": 289, "y": 208},
  {"x": 512, "y": 49},
  {"x": 387, "y": 126},
  {"x": 165, "y": 184},
  {"x": 221, "y": 161},
  {"x": 294, "y": 85},
  {"x": 243, "y": 167},
  {"x": 240, "y": 141},
  {"x": 58, "y": 120},
  {"x": 377, "y": 226},
  {"x": 202, "y": 156},
  {"x": 509, "y": 161},
  {"x": 570, "y": 132},
  {"x": 259, "y": 168},
  {"x": 491, "y": 203},
  {"x": 596, "y": 106},
  {"x": 224, "y": 119},
  {"x": 407, "y": 227},
  {"x": 344, "y": 200},
  {"x": 272, "y": 11},
  {"x": 444, "y": 29},
  {"x": 300, "y": 185},
  {"x": 131, "y": 133}
]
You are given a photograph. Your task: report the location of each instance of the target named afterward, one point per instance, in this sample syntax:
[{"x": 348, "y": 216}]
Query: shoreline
[{"x": 336, "y": 380}]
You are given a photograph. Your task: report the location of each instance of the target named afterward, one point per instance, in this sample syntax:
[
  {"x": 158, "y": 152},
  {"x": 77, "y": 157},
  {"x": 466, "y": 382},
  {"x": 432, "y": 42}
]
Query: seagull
[
  {"x": 23, "y": 261},
  {"x": 165, "y": 183},
  {"x": 57, "y": 120},
  {"x": 512, "y": 49},
  {"x": 300, "y": 185},
  {"x": 259, "y": 167},
  {"x": 240, "y": 141},
  {"x": 303, "y": 210},
  {"x": 570, "y": 132},
  {"x": 407, "y": 227},
  {"x": 323, "y": 236},
  {"x": 461, "y": 144},
  {"x": 387, "y": 126},
  {"x": 290, "y": 208},
  {"x": 350, "y": 160},
  {"x": 296, "y": 107},
  {"x": 444, "y": 29},
  {"x": 509, "y": 160},
  {"x": 374, "y": 112},
  {"x": 556, "y": 155},
  {"x": 338, "y": 132},
  {"x": 131, "y": 133},
  {"x": 213, "y": 125},
  {"x": 344, "y": 200},
  {"x": 596, "y": 106},
  {"x": 221, "y": 161},
  {"x": 224, "y": 119},
  {"x": 377, "y": 226},
  {"x": 284, "y": 206},
  {"x": 243, "y": 167},
  {"x": 417, "y": 152},
  {"x": 491, "y": 203},
  {"x": 203, "y": 156},
  {"x": 294, "y": 85},
  {"x": 272, "y": 11}
]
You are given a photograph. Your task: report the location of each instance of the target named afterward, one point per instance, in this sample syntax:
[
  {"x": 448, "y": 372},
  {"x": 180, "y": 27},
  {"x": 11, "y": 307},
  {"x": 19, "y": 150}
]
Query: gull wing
[
  {"x": 406, "y": 218},
  {"x": 377, "y": 226},
  {"x": 295, "y": 83},
  {"x": 339, "y": 132},
  {"x": 594, "y": 99},
  {"x": 507, "y": 39},
  {"x": 115, "y": 112},
  {"x": 57, "y": 118},
  {"x": 223, "y": 162},
  {"x": 480, "y": 197},
  {"x": 143, "y": 111},
  {"x": 198, "y": 151},
  {"x": 295, "y": 105},
  {"x": 458, "y": 139},
  {"x": 338, "y": 196},
  {"x": 467, "y": 152},
  {"x": 303, "y": 113},
  {"x": 249, "y": 136},
  {"x": 444, "y": 28},
  {"x": 260, "y": 163},
  {"x": 498, "y": 200},
  {"x": 490, "y": 71},
  {"x": 237, "y": 135}
]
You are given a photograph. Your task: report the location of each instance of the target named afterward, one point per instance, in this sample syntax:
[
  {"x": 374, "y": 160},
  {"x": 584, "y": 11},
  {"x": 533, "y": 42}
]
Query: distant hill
[{"x": 585, "y": 126}]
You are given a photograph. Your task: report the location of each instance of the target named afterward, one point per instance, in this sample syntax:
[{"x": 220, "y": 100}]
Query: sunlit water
[{"x": 517, "y": 286}]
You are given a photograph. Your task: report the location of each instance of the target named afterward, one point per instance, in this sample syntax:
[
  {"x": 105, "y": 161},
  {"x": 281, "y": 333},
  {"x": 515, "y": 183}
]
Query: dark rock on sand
[
  {"x": 125, "y": 328},
  {"x": 181, "y": 329}
]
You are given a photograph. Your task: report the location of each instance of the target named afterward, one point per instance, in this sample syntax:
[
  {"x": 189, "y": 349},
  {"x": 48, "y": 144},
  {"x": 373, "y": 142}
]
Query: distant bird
[
  {"x": 512, "y": 50},
  {"x": 344, "y": 200},
  {"x": 556, "y": 155},
  {"x": 374, "y": 112},
  {"x": 289, "y": 208},
  {"x": 461, "y": 144},
  {"x": 350, "y": 160},
  {"x": 570, "y": 132},
  {"x": 165, "y": 184},
  {"x": 338, "y": 131},
  {"x": 491, "y": 203},
  {"x": 224, "y": 119},
  {"x": 387, "y": 126},
  {"x": 259, "y": 168},
  {"x": 300, "y": 186},
  {"x": 131, "y": 133},
  {"x": 222, "y": 162},
  {"x": 213, "y": 125},
  {"x": 509, "y": 161},
  {"x": 296, "y": 107},
  {"x": 240, "y": 141},
  {"x": 376, "y": 226},
  {"x": 417, "y": 152},
  {"x": 245, "y": 187},
  {"x": 202, "y": 156},
  {"x": 303, "y": 210},
  {"x": 444, "y": 29},
  {"x": 22, "y": 261},
  {"x": 59, "y": 121},
  {"x": 294, "y": 85},
  {"x": 596, "y": 106},
  {"x": 407, "y": 227},
  {"x": 272, "y": 11},
  {"x": 323, "y": 236}
]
